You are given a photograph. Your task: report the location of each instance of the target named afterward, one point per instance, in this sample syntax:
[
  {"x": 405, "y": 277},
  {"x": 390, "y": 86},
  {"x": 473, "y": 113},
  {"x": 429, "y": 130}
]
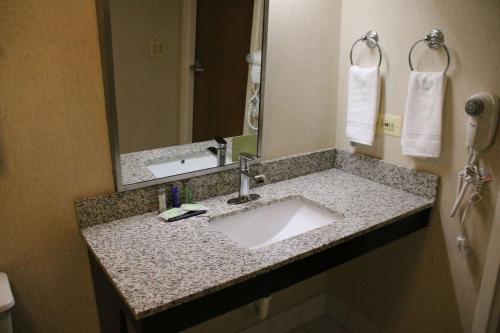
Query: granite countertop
[
  {"x": 156, "y": 265},
  {"x": 134, "y": 165}
]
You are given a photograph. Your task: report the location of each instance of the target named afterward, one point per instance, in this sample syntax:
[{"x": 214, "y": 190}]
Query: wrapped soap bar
[
  {"x": 193, "y": 207},
  {"x": 172, "y": 213}
]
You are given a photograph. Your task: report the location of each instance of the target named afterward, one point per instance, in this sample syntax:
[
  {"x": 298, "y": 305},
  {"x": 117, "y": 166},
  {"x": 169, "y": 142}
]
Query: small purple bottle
[{"x": 176, "y": 196}]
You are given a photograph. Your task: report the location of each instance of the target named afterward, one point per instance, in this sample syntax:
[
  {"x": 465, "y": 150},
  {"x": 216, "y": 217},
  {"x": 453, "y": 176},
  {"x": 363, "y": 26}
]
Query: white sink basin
[
  {"x": 267, "y": 225},
  {"x": 195, "y": 162}
]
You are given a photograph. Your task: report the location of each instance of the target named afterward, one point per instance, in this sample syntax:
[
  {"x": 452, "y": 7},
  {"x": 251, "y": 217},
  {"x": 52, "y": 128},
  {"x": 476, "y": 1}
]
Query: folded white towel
[
  {"x": 422, "y": 123},
  {"x": 362, "y": 104}
]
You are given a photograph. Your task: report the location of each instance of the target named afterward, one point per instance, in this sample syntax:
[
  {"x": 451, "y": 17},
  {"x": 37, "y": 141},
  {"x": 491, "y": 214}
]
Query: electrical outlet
[
  {"x": 157, "y": 48},
  {"x": 389, "y": 124}
]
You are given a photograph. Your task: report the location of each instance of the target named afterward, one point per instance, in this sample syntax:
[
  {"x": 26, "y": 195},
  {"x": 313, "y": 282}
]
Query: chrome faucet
[
  {"x": 221, "y": 150},
  {"x": 245, "y": 176}
]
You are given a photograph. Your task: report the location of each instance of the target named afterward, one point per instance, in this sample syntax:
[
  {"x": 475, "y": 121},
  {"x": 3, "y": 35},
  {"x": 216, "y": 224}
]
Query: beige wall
[
  {"x": 301, "y": 76},
  {"x": 420, "y": 281},
  {"x": 54, "y": 143},
  {"x": 147, "y": 86},
  {"x": 54, "y": 149}
]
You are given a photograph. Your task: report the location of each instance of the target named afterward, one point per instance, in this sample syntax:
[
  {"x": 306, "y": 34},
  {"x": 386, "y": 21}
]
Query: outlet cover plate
[{"x": 389, "y": 124}]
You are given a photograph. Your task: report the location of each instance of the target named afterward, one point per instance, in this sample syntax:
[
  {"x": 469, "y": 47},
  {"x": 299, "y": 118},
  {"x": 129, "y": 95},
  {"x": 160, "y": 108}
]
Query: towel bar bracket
[
  {"x": 434, "y": 39},
  {"x": 371, "y": 40}
]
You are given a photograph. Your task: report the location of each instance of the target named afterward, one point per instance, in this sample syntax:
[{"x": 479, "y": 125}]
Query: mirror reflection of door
[
  {"x": 223, "y": 35},
  {"x": 183, "y": 73}
]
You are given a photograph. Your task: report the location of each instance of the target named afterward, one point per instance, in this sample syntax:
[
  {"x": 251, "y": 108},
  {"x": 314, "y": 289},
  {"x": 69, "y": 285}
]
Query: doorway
[{"x": 220, "y": 82}]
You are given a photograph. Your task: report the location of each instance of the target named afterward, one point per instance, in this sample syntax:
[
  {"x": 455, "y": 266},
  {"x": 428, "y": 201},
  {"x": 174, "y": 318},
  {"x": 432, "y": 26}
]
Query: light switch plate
[
  {"x": 157, "y": 48},
  {"x": 389, "y": 124}
]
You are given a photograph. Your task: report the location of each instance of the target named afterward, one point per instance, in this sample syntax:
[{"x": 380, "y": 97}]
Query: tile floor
[
  {"x": 323, "y": 313},
  {"x": 321, "y": 324}
]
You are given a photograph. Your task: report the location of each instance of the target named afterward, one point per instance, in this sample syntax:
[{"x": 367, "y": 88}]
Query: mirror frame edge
[{"x": 107, "y": 67}]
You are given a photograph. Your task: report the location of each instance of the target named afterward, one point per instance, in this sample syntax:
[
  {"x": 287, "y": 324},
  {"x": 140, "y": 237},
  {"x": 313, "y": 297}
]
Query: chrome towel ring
[
  {"x": 371, "y": 40},
  {"x": 434, "y": 39}
]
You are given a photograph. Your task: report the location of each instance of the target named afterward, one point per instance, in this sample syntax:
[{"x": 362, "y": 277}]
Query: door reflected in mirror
[{"x": 183, "y": 84}]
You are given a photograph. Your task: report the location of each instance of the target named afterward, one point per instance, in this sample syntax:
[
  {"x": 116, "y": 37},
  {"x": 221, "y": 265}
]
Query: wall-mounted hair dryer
[
  {"x": 483, "y": 109},
  {"x": 482, "y": 123},
  {"x": 254, "y": 59}
]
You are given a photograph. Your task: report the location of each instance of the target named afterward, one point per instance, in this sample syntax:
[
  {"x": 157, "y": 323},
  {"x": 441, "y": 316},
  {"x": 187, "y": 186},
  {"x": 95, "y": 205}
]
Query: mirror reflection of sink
[
  {"x": 184, "y": 164},
  {"x": 267, "y": 225}
]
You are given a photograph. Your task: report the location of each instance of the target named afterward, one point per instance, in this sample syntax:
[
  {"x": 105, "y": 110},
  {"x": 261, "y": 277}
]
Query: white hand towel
[
  {"x": 362, "y": 104},
  {"x": 422, "y": 123}
]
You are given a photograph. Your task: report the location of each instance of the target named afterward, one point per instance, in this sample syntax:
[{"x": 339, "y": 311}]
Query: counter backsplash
[{"x": 114, "y": 206}]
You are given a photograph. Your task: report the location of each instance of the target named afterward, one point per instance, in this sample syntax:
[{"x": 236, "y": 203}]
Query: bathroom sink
[
  {"x": 267, "y": 225},
  {"x": 184, "y": 164}
]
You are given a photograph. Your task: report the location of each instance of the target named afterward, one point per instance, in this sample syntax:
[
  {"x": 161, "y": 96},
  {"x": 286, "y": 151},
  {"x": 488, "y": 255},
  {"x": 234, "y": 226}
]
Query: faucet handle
[
  {"x": 260, "y": 179},
  {"x": 247, "y": 157}
]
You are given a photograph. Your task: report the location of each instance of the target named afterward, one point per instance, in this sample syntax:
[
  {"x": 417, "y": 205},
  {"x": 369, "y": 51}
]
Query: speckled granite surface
[
  {"x": 409, "y": 180},
  {"x": 134, "y": 165},
  {"x": 114, "y": 206},
  {"x": 156, "y": 265}
]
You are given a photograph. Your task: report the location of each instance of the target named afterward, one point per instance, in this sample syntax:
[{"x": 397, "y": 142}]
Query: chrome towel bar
[
  {"x": 371, "y": 40},
  {"x": 434, "y": 40}
]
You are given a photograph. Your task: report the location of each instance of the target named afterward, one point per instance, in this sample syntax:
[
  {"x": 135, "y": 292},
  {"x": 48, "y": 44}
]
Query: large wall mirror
[{"x": 184, "y": 82}]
